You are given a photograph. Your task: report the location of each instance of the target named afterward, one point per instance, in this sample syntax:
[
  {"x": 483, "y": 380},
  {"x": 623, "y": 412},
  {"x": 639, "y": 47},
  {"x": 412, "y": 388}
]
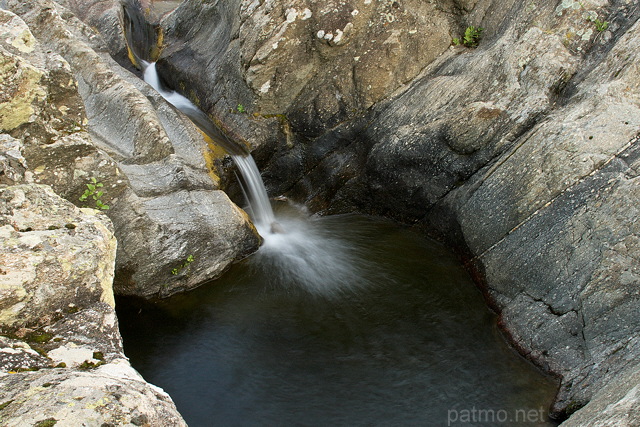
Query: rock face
[
  {"x": 61, "y": 356},
  {"x": 109, "y": 395},
  {"x": 108, "y": 136},
  {"x": 522, "y": 153},
  {"x": 617, "y": 404}
]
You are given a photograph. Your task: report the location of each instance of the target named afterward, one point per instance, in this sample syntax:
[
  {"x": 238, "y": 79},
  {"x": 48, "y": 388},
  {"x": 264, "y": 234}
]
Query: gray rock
[
  {"x": 13, "y": 166},
  {"x": 112, "y": 394},
  {"x": 78, "y": 376},
  {"x": 17, "y": 355},
  {"x": 52, "y": 254},
  {"x": 616, "y": 404}
]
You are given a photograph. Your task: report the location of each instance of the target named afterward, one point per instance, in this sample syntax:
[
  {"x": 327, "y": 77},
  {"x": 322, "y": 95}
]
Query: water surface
[{"x": 340, "y": 321}]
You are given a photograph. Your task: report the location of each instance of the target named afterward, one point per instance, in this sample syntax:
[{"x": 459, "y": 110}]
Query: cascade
[
  {"x": 141, "y": 40},
  {"x": 261, "y": 211}
]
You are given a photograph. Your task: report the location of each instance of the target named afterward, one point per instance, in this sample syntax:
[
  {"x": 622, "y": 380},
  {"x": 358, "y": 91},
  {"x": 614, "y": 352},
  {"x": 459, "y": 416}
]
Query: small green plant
[
  {"x": 601, "y": 25},
  {"x": 241, "y": 108},
  {"x": 93, "y": 191},
  {"x": 471, "y": 37},
  {"x": 184, "y": 265}
]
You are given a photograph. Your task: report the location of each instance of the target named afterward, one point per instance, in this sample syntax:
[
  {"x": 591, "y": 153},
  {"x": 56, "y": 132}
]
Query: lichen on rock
[{"x": 53, "y": 254}]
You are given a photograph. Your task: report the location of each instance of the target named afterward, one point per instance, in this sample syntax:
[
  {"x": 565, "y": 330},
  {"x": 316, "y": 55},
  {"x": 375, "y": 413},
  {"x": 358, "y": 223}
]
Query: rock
[
  {"x": 17, "y": 355},
  {"x": 103, "y": 15},
  {"x": 557, "y": 213},
  {"x": 146, "y": 156},
  {"x": 13, "y": 166},
  {"x": 61, "y": 355},
  {"x": 44, "y": 236},
  {"x": 309, "y": 65},
  {"x": 78, "y": 375},
  {"x": 112, "y": 394},
  {"x": 521, "y": 153},
  {"x": 617, "y": 404}
]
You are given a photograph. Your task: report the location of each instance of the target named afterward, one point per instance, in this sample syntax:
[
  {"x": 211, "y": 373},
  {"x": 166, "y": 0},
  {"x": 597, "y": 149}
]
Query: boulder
[
  {"x": 616, "y": 404},
  {"x": 73, "y": 372},
  {"x": 61, "y": 355},
  {"x": 112, "y": 143},
  {"x": 52, "y": 254}
]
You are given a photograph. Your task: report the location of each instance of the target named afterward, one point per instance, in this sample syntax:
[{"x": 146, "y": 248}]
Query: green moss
[
  {"x": 573, "y": 406},
  {"x": 5, "y": 404},
  {"x": 86, "y": 365},
  {"x": 39, "y": 337},
  {"x": 98, "y": 355},
  {"x": 72, "y": 309},
  {"x": 31, "y": 369},
  {"x": 49, "y": 422}
]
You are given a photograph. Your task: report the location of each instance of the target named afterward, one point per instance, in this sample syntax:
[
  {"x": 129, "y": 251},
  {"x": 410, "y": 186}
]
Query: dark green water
[{"x": 343, "y": 321}]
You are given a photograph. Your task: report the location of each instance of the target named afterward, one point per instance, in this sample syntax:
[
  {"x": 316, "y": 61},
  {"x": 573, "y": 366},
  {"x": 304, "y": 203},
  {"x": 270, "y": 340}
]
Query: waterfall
[
  {"x": 142, "y": 41},
  {"x": 261, "y": 211}
]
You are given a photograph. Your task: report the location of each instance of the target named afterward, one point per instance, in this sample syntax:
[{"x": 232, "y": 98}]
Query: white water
[
  {"x": 150, "y": 75},
  {"x": 316, "y": 254},
  {"x": 261, "y": 211},
  {"x": 298, "y": 250}
]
